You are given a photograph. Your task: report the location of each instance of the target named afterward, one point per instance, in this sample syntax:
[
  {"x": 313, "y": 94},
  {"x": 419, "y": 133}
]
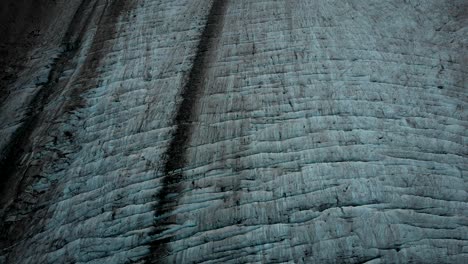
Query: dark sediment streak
[
  {"x": 101, "y": 46},
  {"x": 19, "y": 142},
  {"x": 11, "y": 166},
  {"x": 168, "y": 196}
]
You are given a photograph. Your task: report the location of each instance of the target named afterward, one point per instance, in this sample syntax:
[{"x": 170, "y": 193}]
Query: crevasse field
[{"x": 238, "y": 131}]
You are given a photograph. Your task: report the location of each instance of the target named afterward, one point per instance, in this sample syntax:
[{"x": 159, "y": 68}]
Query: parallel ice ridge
[
  {"x": 106, "y": 153},
  {"x": 326, "y": 132},
  {"x": 329, "y": 131}
]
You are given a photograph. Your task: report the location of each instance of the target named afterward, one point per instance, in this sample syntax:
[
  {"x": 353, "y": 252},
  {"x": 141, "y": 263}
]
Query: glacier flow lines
[{"x": 175, "y": 161}]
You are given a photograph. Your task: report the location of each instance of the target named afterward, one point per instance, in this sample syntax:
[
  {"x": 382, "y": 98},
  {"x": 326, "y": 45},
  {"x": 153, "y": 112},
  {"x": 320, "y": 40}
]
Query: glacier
[{"x": 233, "y": 131}]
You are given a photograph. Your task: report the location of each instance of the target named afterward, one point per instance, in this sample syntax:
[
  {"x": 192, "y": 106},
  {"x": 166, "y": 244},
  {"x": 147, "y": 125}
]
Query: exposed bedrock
[{"x": 233, "y": 131}]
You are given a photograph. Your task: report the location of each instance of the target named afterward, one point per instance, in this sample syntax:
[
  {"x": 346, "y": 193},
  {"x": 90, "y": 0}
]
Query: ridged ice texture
[
  {"x": 101, "y": 160},
  {"x": 323, "y": 132},
  {"x": 330, "y": 132}
]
